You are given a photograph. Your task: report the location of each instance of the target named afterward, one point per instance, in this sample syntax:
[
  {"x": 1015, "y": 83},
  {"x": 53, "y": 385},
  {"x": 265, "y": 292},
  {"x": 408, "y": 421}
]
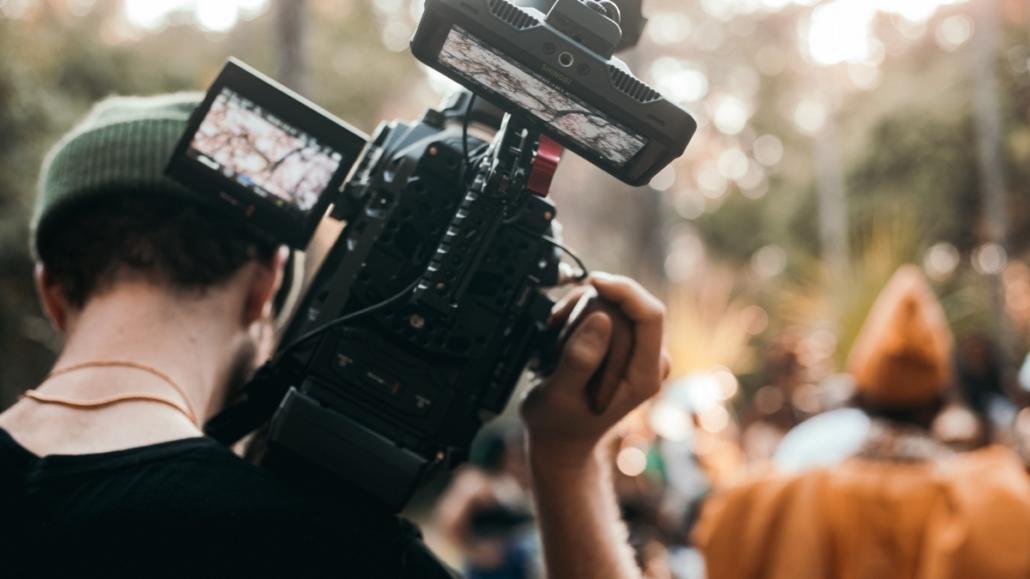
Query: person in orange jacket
[{"x": 902, "y": 506}]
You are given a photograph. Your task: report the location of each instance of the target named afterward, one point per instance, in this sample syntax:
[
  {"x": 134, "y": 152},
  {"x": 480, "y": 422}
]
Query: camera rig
[{"x": 430, "y": 305}]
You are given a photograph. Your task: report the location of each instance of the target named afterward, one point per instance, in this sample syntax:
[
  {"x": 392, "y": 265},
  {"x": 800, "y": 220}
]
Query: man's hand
[
  {"x": 579, "y": 518},
  {"x": 562, "y": 428}
]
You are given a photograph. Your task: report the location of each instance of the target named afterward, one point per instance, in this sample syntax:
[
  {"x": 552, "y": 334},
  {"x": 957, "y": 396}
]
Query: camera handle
[{"x": 519, "y": 163}]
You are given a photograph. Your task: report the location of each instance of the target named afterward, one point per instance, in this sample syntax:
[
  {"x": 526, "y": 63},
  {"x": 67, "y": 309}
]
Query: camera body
[
  {"x": 430, "y": 305},
  {"x": 407, "y": 386}
]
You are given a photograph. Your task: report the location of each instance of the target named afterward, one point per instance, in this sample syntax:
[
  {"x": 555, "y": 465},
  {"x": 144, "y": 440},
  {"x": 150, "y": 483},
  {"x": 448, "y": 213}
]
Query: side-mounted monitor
[
  {"x": 279, "y": 170},
  {"x": 557, "y": 73}
]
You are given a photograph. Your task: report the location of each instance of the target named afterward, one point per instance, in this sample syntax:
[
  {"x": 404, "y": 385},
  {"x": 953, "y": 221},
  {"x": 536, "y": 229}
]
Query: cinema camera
[{"x": 430, "y": 305}]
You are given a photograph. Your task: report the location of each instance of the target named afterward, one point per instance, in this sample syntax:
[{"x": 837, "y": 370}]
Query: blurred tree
[{"x": 290, "y": 16}]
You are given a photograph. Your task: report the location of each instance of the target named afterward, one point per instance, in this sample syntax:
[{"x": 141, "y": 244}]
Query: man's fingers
[
  {"x": 584, "y": 351},
  {"x": 638, "y": 304},
  {"x": 648, "y": 315},
  {"x": 563, "y": 309}
]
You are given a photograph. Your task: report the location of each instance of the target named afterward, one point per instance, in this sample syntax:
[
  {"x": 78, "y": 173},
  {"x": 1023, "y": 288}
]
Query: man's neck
[
  {"x": 191, "y": 339},
  {"x": 195, "y": 341}
]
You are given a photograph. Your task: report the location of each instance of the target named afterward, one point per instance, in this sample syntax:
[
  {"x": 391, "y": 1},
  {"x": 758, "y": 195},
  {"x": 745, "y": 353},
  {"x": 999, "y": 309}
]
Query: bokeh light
[
  {"x": 839, "y": 31},
  {"x": 714, "y": 419},
  {"x": 684, "y": 256},
  {"x": 665, "y": 179},
  {"x": 842, "y": 30},
  {"x": 670, "y": 421},
  {"x": 711, "y": 181},
  {"x": 769, "y": 261},
  {"x": 941, "y": 260},
  {"x": 689, "y": 204},
  {"x": 769, "y": 400},
  {"x": 728, "y": 384},
  {"x": 216, "y": 16},
  {"x": 768, "y": 150},
  {"x": 731, "y": 114},
  {"x": 810, "y": 115},
  {"x": 678, "y": 81},
  {"x": 733, "y": 164},
  {"x": 989, "y": 259},
  {"x": 954, "y": 31},
  {"x": 631, "y": 461}
]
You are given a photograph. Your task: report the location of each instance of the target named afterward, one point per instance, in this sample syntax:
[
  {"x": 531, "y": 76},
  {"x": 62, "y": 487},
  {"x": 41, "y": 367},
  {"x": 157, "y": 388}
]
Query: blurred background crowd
[{"x": 839, "y": 140}]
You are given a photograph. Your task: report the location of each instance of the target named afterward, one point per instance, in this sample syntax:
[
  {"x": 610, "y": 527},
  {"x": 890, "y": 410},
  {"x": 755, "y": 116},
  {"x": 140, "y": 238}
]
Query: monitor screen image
[
  {"x": 470, "y": 58},
  {"x": 252, "y": 147}
]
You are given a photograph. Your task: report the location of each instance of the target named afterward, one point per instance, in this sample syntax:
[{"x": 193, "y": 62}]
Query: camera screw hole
[{"x": 566, "y": 59}]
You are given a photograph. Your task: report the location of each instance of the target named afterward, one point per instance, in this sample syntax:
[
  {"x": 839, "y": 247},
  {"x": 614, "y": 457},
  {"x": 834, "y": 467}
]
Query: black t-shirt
[{"x": 188, "y": 508}]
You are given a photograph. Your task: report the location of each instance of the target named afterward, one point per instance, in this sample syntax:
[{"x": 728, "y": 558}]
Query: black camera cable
[
  {"x": 583, "y": 271},
  {"x": 465, "y": 132},
  {"x": 467, "y": 154},
  {"x": 344, "y": 319},
  {"x": 266, "y": 389}
]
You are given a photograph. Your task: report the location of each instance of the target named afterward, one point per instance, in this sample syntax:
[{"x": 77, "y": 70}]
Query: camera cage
[{"x": 278, "y": 218}]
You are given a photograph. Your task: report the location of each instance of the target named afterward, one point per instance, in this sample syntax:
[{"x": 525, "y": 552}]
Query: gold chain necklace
[{"x": 185, "y": 408}]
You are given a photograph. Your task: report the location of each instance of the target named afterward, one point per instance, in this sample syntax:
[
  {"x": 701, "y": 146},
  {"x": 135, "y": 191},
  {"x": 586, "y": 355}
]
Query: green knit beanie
[{"x": 121, "y": 148}]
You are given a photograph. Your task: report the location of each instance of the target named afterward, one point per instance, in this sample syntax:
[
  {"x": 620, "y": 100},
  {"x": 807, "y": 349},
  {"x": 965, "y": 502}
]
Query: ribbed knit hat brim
[{"x": 121, "y": 147}]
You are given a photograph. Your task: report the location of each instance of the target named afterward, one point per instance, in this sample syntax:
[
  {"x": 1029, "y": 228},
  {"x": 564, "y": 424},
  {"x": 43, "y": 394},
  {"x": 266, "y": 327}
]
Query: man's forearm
[{"x": 583, "y": 534}]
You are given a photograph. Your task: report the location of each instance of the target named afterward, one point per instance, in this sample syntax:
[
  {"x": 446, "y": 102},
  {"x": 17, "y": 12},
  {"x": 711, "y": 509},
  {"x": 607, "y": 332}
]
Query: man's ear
[
  {"x": 51, "y": 297},
  {"x": 264, "y": 285}
]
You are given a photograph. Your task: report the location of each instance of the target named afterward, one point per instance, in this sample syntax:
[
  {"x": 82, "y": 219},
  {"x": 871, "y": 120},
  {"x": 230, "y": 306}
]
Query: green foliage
[
  {"x": 926, "y": 164},
  {"x": 814, "y": 295}
]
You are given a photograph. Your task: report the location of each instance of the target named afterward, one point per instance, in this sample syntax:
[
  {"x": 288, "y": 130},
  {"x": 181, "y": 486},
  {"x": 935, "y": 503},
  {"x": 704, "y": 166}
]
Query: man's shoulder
[
  {"x": 227, "y": 515},
  {"x": 197, "y": 470}
]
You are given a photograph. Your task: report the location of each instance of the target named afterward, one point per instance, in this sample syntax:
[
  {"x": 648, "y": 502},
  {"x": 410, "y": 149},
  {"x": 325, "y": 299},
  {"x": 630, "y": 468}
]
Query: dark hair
[
  {"x": 168, "y": 242},
  {"x": 921, "y": 415}
]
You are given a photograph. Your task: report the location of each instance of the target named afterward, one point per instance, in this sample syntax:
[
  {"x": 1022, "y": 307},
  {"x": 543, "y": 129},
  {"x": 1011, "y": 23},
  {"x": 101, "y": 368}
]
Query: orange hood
[{"x": 902, "y": 356}]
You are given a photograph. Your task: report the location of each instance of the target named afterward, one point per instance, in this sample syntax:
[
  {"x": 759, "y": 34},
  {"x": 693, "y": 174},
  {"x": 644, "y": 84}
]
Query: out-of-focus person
[
  {"x": 770, "y": 414},
  {"x": 903, "y": 505},
  {"x": 485, "y": 511},
  {"x": 980, "y": 378},
  {"x": 1021, "y": 428},
  {"x": 643, "y": 493}
]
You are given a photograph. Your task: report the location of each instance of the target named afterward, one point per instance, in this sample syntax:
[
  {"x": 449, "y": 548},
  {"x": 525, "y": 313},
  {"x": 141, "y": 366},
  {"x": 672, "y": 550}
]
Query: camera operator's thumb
[
  {"x": 584, "y": 352},
  {"x": 560, "y": 420},
  {"x": 556, "y": 411}
]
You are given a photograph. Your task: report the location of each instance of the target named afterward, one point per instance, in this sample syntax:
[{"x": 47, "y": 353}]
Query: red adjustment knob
[{"x": 548, "y": 153}]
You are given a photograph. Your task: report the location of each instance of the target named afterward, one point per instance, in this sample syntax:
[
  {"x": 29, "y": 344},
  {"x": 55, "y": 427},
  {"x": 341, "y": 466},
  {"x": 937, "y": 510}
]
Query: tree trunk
[
  {"x": 987, "y": 111},
  {"x": 832, "y": 194},
  {"x": 290, "y": 34}
]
